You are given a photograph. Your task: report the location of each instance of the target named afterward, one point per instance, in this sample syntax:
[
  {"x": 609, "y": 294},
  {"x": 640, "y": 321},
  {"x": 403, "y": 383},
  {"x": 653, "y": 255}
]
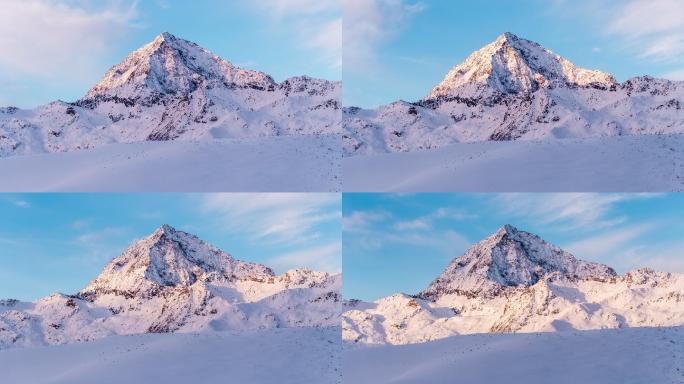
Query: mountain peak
[
  {"x": 506, "y": 229},
  {"x": 165, "y": 36},
  {"x": 169, "y": 258},
  {"x": 506, "y": 37},
  {"x": 509, "y": 258},
  {"x": 171, "y": 66},
  {"x": 164, "y": 229},
  {"x": 512, "y": 65}
]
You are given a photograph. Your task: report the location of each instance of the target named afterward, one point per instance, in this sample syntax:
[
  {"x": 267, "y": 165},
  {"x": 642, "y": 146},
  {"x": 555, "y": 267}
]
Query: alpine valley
[
  {"x": 518, "y": 300},
  {"x": 173, "y": 91},
  {"x": 173, "y": 296},
  {"x": 513, "y": 91}
]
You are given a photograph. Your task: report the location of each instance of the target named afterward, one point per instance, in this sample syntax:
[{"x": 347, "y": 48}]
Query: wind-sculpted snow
[
  {"x": 310, "y": 163},
  {"x": 283, "y": 356},
  {"x": 514, "y": 89},
  {"x": 513, "y": 281},
  {"x": 640, "y": 163},
  {"x": 636, "y": 355},
  {"x": 172, "y": 281},
  {"x": 173, "y": 89}
]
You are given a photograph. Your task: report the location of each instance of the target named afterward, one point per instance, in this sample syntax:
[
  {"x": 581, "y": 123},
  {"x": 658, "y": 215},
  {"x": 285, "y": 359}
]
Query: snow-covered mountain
[
  {"x": 173, "y": 89},
  {"x": 172, "y": 281},
  {"x": 513, "y": 281},
  {"x": 515, "y": 89}
]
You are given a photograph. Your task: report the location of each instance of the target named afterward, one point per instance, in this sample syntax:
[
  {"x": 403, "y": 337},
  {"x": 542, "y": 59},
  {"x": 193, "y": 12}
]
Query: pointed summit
[
  {"x": 511, "y": 258},
  {"x": 165, "y": 36},
  {"x": 164, "y": 229},
  {"x": 171, "y": 66},
  {"x": 513, "y": 65},
  {"x": 170, "y": 258}
]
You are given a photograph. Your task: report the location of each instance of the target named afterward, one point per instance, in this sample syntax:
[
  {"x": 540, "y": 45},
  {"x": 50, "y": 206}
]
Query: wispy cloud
[
  {"x": 412, "y": 225},
  {"x": 376, "y": 229},
  {"x": 327, "y": 257},
  {"x": 652, "y": 30},
  {"x": 80, "y": 224},
  {"x": 368, "y": 24},
  {"x": 317, "y": 24},
  {"x": 101, "y": 235},
  {"x": 40, "y": 36},
  {"x": 628, "y": 248},
  {"x": 674, "y": 75},
  {"x": 22, "y": 203},
  {"x": 278, "y": 217},
  {"x": 655, "y": 27},
  {"x": 425, "y": 222},
  {"x": 362, "y": 220},
  {"x": 566, "y": 210},
  {"x": 607, "y": 243}
]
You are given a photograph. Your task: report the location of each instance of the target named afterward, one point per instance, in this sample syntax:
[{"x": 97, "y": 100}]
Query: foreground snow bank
[
  {"x": 284, "y": 164},
  {"x": 288, "y": 355},
  {"x": 624, "y": 356},
  {"x": 641, "y": 163}
]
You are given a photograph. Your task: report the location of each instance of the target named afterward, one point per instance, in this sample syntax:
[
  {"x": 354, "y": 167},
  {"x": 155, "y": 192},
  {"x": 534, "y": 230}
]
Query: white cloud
[
  {"x": 426, "y": 222},
  {"x": 655, "y": 27},
  {"x": 443, "y": 240},
  {"x": 607, "y": 244},
  {"x": 48, "y": 37},
  {"x": 22, "y": 203},
  {"x": 410, "y": 225},
  {"x": 567, "y": 210},
  {"x": 369, "y": 23},
  {"x": 674, "y": 75},
  {"x": 278, "y": 217},
  {"x": 651, "y": 29},
  {"x": 327, "y": 258},
  {"x": 362, "y": 220},
  {"x": 80, "y": 224},
  {"x": 630, "y": 248},
  {"x": 101, "y": 235},
  {"x": 317, "y": 24}
]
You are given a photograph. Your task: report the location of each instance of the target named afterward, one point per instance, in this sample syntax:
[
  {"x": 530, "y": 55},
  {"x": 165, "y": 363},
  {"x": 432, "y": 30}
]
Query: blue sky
[
  {"x": 58, "y": 49},
  {"x": 400, "y": 49},
  {"x": 400, "y": 243},
  {"x": 59, "y": 242}
]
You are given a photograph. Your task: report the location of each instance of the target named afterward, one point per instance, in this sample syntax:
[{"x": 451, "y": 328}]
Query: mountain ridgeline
[
  {"x": 173, "y": 89},
  {"x": 515, "y": 89},
  {"x": 172, "y": 281},
  {"x": 514, "y": 281}
]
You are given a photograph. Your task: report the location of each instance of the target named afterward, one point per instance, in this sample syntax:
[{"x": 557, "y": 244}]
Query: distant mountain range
[
  {"x": 172, "y": 89},
  {"x": 514, "y": 281},
  {"x": 172, "y": 281},
  {"x": 515, "y": 89}
]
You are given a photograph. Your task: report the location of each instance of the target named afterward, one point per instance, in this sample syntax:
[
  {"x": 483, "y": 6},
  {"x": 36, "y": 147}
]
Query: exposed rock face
[
  {"x": 513, "y": 281},
  {"x": 514, "y": 65},
  {"x": 511, "y": 258},
  {"x": 170, "y": 258},
  {"x": 515, "y": 89}
]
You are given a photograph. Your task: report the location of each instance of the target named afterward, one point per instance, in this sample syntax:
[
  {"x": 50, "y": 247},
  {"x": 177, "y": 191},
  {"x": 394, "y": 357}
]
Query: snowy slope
[
  {"x": 515, "y": 89},
  {"x": 172, "y": 281},
  {"x": 267, "y": 164},
  {"x": 513, "y": 281},
  {"x": 173, "y": 89},
  {"x": 624, "y": 356},
  {"x": 287, "y": 356},
  {"x": 646, "y": 163}
]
